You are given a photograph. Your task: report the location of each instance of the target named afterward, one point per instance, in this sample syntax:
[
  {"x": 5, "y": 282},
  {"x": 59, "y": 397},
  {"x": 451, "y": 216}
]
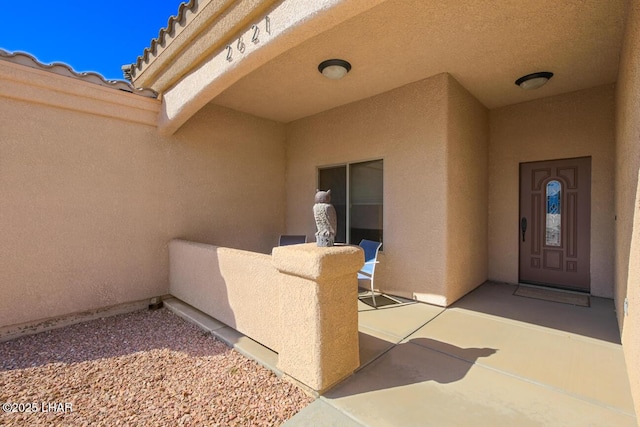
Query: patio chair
[
  {"x": 371, "y": 249},
  {"x": 290, "y": 239}
]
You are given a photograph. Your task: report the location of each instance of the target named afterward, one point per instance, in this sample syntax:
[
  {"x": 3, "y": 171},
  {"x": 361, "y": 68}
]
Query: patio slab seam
[
  {"x": 322, "y": 412},
  {"x": 246, "y": 346},
  {"x": 361, "y": 367},
  {"x": 527, "y": 380},
  {"x": 348, "y": 414},
  {"x": 540, "y": 328},
  {"x": 400, "y": 337},
  {"x": 424, "y": 324},
  {"x": 377, "y": 333}
]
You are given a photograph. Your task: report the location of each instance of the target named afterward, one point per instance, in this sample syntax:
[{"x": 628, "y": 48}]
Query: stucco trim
[
  {"x": 24, "y": 83},
  {"x": 62, "y": 69},
  {"x": 290, "y": 23},
  {"x": 200, "y": 28}
]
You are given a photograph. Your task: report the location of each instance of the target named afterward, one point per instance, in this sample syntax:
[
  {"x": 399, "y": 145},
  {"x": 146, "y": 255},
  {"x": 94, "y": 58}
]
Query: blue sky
[{"x": 88, "y": 35}]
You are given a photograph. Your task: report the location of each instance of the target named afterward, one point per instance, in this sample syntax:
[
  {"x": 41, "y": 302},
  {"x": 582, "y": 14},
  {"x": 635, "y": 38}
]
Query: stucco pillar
[{"x": 318, "y": 312}]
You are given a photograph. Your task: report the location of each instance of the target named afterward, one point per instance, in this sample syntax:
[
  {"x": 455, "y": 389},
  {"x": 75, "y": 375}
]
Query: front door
[{"x": 555, "y": 223}]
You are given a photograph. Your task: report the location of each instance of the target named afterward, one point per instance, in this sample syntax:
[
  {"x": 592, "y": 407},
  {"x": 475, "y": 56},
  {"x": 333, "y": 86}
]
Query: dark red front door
[{"x": 555, "y": 223}]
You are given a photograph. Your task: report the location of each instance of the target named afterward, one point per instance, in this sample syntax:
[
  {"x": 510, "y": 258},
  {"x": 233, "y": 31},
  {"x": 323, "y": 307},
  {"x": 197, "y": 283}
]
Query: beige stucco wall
[
  {"x": 301, "y": 302},
  {"x": 318, "y": 312},
  {"x": 467, "y": 180},
  {"x": 572, "y": 125},
  {"x": 239, "y": 288},
  {"x": 81, "y": 212},
  {"x": 89, "y": 200},
  {"x": 408, "y": 128},
  {"x": 226, "y": 178},
  {"x": 627, "y": 196}
]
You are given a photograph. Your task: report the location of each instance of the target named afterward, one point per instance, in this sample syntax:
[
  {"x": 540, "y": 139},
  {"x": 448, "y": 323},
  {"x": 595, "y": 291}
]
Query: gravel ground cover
[{"x": 147, "y": 368}]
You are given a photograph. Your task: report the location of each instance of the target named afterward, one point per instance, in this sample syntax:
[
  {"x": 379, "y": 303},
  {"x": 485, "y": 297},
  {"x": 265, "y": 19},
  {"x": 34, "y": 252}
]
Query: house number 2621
[{"x": 255, "y": 38}]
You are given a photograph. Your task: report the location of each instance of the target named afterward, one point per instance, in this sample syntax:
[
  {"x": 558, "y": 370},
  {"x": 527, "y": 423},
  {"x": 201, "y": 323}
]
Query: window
[
  {"x": 554, "y": 213},
  {"x": 357, "y": 195}
]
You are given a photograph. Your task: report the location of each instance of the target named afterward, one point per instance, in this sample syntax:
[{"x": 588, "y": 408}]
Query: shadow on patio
[
  {"x": 407, "y": 352},
  {"x": 490, "y": 359}
]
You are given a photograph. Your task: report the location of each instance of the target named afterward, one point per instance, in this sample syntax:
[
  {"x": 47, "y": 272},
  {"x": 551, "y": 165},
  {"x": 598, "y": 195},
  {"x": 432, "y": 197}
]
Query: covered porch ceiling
[{"x": 484, "y": 45}]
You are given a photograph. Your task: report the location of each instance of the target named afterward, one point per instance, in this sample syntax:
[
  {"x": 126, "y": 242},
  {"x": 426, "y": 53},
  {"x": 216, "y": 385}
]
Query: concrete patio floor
[{"x": 490, "y": 359}]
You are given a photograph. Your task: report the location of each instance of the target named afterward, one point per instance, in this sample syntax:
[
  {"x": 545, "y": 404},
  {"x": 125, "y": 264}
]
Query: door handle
[{"x": 523, "y": 226}]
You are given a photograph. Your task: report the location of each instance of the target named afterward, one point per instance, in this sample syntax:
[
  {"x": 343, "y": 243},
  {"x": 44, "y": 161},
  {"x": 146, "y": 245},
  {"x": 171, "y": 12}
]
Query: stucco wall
[
  {"x": 89, "y": 202},
  {"x": 408, "y": 128},
  {"x": 239, "y": 288},
  {"x": 301, "y": 302},
  {"x": 226, "y": 174},
  {"x": 572, "y": 125},
  {"x": 467, "y": 180},
  {"x": 81, "y": 212},
  {"x": 627, "y": 167}
]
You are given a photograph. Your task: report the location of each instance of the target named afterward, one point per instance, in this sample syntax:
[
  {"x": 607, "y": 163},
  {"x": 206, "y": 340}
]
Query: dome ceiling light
[
  {"x": 534, "y": 81},
  {"x": 334, "y": 69}
]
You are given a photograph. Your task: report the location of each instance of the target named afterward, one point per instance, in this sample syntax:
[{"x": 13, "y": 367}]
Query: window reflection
[
  {"x": 554, "y": 213},
  {"x": 359, "y": 207},
  {"x": 365, "y": 192}
]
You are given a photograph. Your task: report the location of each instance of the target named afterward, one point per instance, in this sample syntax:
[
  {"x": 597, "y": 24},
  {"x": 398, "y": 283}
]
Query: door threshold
[
  {"x": 554, "y": 288},
  {"x": 553, "y": 295}
]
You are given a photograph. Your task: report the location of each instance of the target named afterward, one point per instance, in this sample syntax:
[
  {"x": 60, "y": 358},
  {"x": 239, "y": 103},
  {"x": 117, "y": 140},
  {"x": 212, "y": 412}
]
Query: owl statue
[{"x": 326, "y": 219}]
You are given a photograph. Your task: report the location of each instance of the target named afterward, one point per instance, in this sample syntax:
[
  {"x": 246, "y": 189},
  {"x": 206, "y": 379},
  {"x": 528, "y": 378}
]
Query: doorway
[{"x": 555, "y": 223}]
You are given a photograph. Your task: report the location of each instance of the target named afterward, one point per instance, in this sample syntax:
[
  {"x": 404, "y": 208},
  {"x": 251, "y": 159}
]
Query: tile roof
[
  {"x": 59, "y": 68},
  {"x": 168, "y": 31}
]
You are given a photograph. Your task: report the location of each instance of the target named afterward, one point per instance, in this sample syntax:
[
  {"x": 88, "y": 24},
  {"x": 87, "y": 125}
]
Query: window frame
[{"x": 348, "y": 165}]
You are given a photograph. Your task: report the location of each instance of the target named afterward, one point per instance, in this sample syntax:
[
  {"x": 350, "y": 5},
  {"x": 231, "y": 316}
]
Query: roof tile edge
[
  {"x": 62, "y": 69},
  {"x": 137, "y": 66}
]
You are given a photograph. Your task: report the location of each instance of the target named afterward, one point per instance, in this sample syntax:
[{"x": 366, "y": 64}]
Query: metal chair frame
[{"x": 367, "y": 272}]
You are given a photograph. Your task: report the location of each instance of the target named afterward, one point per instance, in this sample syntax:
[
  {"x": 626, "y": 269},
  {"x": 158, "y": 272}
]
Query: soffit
[{"x": 485, "y": 47}]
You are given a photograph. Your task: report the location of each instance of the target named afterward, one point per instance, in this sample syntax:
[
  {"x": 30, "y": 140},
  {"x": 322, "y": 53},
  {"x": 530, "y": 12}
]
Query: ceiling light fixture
[
  {"x": 534, "y": 81},
  {"x": 334, "y": 69}
]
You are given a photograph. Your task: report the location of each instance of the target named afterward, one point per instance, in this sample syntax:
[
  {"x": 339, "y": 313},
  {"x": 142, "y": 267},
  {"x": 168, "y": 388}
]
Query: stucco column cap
[{"x": 312, "y": 262}]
